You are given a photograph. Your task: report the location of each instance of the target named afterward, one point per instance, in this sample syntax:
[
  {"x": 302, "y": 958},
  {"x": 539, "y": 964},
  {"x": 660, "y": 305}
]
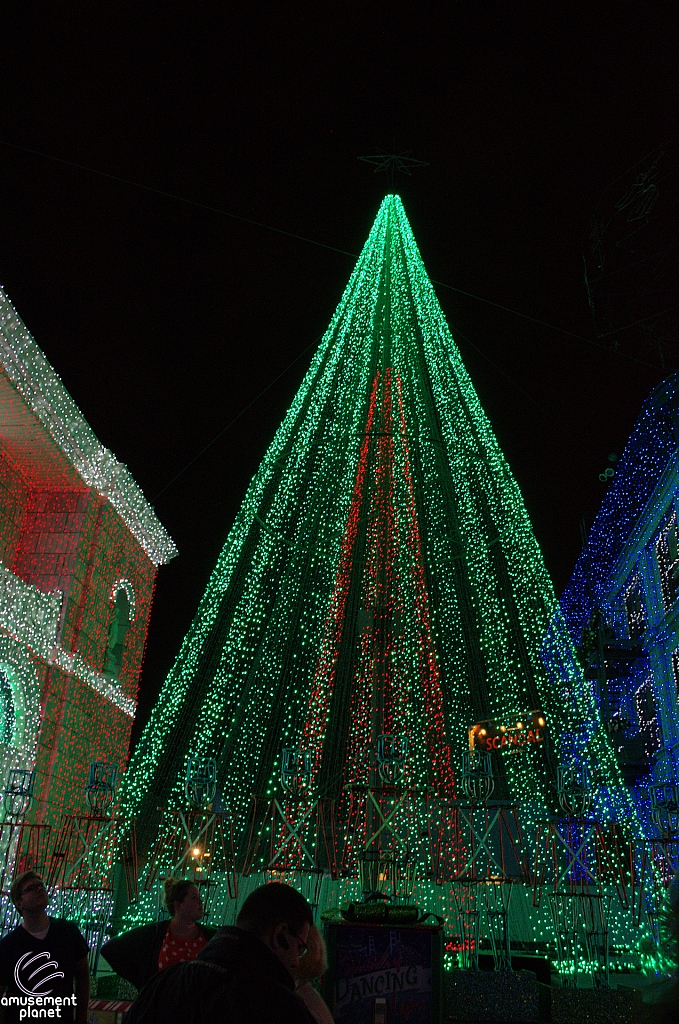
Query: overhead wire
[
  {"x": 544, "y": 323},
  {"x": 457, "y": 333},
  {"x": 236, "y": 418},
  {"x": 323, "y": 245},
  {"x": 304, "y": 238},
  {"x": 171, "y": 195}
]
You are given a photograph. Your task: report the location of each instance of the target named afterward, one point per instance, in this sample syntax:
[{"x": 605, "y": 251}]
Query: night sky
[{"x": 166, "y": 320}]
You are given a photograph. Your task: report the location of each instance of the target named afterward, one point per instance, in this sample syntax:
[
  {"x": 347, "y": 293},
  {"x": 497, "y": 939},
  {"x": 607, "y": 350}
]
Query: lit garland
[
  {"x": 381, "y": 574},
  {"x": 21, "y": 711},
  {"x": 27, "y": 613}
]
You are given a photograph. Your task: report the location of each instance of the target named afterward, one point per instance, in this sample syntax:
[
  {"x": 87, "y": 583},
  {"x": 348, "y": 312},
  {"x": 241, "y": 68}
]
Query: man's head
[
  {"x": 315, "y": 963},
  {"x": 281, "y": 917},
  {"x": 28, "y": 893}
]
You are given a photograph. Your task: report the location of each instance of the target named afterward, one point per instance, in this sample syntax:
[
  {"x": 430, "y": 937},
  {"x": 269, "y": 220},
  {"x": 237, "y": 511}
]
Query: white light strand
[
  {"x": 32, "y": 618},
  {"x": 43, "y": 391}
]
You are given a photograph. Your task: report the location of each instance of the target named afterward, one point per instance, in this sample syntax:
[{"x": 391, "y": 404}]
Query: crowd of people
[{"x": 260, "y": 971}]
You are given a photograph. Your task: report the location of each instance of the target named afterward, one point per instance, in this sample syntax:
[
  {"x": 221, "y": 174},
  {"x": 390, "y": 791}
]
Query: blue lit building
[{"x": 622, "y": 602}]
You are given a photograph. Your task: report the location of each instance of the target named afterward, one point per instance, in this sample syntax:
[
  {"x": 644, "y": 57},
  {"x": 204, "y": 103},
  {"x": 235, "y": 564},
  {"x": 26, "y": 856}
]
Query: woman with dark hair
[{"x": 142, "y": 952}]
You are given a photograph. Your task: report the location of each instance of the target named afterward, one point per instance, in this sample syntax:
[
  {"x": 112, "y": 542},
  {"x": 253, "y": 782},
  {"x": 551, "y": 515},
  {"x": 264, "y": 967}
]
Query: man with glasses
[
  {"x": 244, "y": 974},
  {"x": 312, "y": 967},
  {"x": 41, "y": 959}
]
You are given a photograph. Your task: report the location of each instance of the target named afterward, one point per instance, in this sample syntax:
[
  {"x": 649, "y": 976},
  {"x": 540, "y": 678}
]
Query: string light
[
  {"x": 75, "y": 530},
  {"x": 46, "y": 396},
  {"x": 381, "y": 575},
  {"x": 620, "y": 595}
]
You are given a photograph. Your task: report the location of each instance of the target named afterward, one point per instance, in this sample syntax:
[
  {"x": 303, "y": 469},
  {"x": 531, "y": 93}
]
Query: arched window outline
[
  {"x": 667, "y": 556},
  {"x": 25, "y": 696},
  {"x": 124, "y": 584},
  {"x": 8, "y": 715},
  {"x": 123, "y": 598}
]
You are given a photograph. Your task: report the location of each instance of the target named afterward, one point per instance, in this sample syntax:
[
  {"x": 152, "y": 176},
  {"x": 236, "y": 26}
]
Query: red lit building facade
[{"x": 79, "y": 552}]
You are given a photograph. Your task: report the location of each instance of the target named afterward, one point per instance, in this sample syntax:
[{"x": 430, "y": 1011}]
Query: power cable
[
  {"x": 458, "y": 334},
  {"x": 323, "y": 245},
  {"x": 543, "y": 323},
  {"x": 171, "y": 195},
  {"x": 311, "y": 241},
  {"x": 235, "y": 419}
]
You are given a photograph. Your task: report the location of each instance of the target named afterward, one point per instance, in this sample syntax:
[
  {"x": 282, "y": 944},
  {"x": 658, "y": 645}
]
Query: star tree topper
[{"x": 392, "y": 162}]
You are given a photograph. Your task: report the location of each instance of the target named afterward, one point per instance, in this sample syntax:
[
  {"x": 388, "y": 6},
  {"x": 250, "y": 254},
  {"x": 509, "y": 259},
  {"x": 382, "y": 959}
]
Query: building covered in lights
[
  {"x": 380, "y": 601},
  {"x": 622, "y": 606},
  {"x": 79, "y": 552}
]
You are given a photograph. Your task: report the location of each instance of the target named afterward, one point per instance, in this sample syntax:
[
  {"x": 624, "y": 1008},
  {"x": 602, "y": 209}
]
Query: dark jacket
[
  {"x": 134, "y": 954},
  {"x": 236, "y": 979}
]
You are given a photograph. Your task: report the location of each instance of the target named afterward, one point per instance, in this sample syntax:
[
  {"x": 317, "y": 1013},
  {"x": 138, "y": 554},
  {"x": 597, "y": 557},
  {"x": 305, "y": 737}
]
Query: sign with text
[
  {"x": 508, "y": 734},
  {"x": 381, "y": 970}
]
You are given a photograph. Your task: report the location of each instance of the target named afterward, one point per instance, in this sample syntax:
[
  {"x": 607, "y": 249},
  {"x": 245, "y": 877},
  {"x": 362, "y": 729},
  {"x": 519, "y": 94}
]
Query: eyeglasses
[
  {"x": 32, "y": 888},
  {"x": 302, "y": 948}
]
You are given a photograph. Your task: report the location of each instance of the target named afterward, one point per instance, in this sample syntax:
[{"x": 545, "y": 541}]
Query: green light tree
[{"x": 381, "y": 580}]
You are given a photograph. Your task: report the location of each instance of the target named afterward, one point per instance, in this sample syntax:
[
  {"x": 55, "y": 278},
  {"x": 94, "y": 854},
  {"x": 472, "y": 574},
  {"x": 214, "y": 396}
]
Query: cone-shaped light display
[{"x": 381, "y": 580}]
